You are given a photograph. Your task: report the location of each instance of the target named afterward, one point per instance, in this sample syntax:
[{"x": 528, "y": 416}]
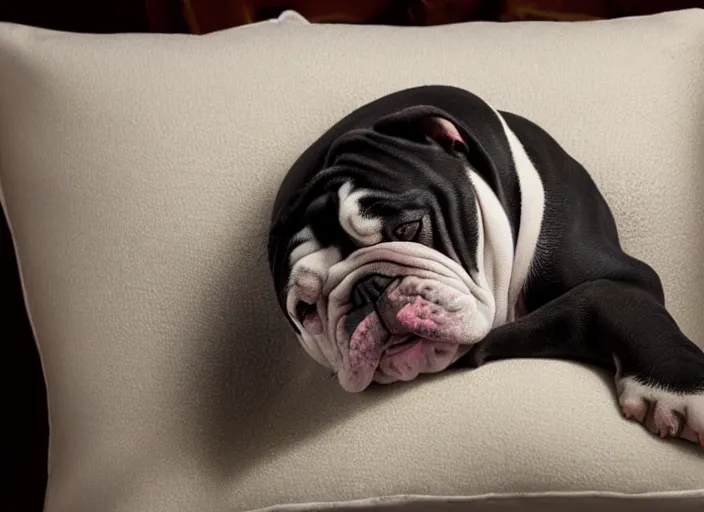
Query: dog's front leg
[{"x": 659, "y": 372}]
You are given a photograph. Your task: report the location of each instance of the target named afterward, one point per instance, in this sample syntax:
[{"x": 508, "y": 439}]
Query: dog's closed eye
[{"x": 408, "y": 231}]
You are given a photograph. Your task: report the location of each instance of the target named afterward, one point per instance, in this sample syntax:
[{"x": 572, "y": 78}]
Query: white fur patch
[
  {"x": 309, "y": 274},
  {"x": 532, "y": 210},
  {"x": 307, "y": 244},
  {"x": 310, "y": 267},
  {"x": 664, "y": 412},
  {"x": 364, "y": 229},
  {"x": 494, "y": 248}
]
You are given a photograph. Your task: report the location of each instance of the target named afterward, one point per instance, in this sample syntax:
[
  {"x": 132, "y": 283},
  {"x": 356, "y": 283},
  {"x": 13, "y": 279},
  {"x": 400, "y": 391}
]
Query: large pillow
[{"x": 137, "y": 174}]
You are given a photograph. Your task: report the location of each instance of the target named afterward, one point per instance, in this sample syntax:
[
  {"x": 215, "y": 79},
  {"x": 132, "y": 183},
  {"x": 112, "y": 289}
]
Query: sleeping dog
[{"x": 427, "y": 230}]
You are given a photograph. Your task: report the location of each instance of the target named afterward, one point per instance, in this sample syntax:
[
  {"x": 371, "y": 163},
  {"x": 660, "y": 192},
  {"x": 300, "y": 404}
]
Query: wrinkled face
[{"x": 379, "y": 263}]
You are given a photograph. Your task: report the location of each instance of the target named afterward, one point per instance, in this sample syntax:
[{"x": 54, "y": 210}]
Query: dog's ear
[
  {"x": 444, "y": 132},
  {"x": 422, "y": 124}
]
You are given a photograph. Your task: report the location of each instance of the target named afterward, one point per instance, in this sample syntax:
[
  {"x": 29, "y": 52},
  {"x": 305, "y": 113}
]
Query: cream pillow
[{"x": 138, "y": 172}]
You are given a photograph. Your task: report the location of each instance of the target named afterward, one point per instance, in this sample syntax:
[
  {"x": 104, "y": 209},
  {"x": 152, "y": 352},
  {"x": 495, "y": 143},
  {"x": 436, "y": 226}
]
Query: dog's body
[{"x": 427, "y": 229}]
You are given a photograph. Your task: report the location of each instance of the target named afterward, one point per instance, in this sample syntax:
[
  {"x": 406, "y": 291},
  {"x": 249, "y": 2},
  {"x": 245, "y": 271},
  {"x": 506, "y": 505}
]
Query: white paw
[{"x": 664, "y": 413}]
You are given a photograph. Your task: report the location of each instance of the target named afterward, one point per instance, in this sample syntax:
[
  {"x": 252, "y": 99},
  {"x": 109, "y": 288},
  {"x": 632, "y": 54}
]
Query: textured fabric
[{"x": 138, "y": 172}]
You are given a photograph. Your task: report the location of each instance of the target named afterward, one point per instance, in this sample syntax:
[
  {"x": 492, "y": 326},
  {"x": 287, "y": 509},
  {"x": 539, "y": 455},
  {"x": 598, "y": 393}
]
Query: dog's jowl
[{"x": 427, "y": 229}]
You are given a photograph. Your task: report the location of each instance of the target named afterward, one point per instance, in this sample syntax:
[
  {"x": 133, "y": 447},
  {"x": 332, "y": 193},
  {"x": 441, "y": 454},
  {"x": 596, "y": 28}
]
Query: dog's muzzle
[{"x": 397, "y": 310}]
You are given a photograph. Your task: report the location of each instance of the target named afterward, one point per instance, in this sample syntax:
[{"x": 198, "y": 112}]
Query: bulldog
[{"x": 429, "y": 230}]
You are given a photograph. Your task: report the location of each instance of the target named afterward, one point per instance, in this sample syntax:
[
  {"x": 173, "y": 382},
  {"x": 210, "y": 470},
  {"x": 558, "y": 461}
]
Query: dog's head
[{"x": 376, "y": 249}]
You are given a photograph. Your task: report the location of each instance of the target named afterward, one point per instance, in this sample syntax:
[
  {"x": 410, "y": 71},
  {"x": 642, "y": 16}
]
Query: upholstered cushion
[{"x": 137, "y": 173}]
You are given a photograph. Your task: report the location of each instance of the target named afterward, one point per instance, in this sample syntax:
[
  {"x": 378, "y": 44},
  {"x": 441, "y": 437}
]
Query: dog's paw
[{"x": 664, "y": 413}]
